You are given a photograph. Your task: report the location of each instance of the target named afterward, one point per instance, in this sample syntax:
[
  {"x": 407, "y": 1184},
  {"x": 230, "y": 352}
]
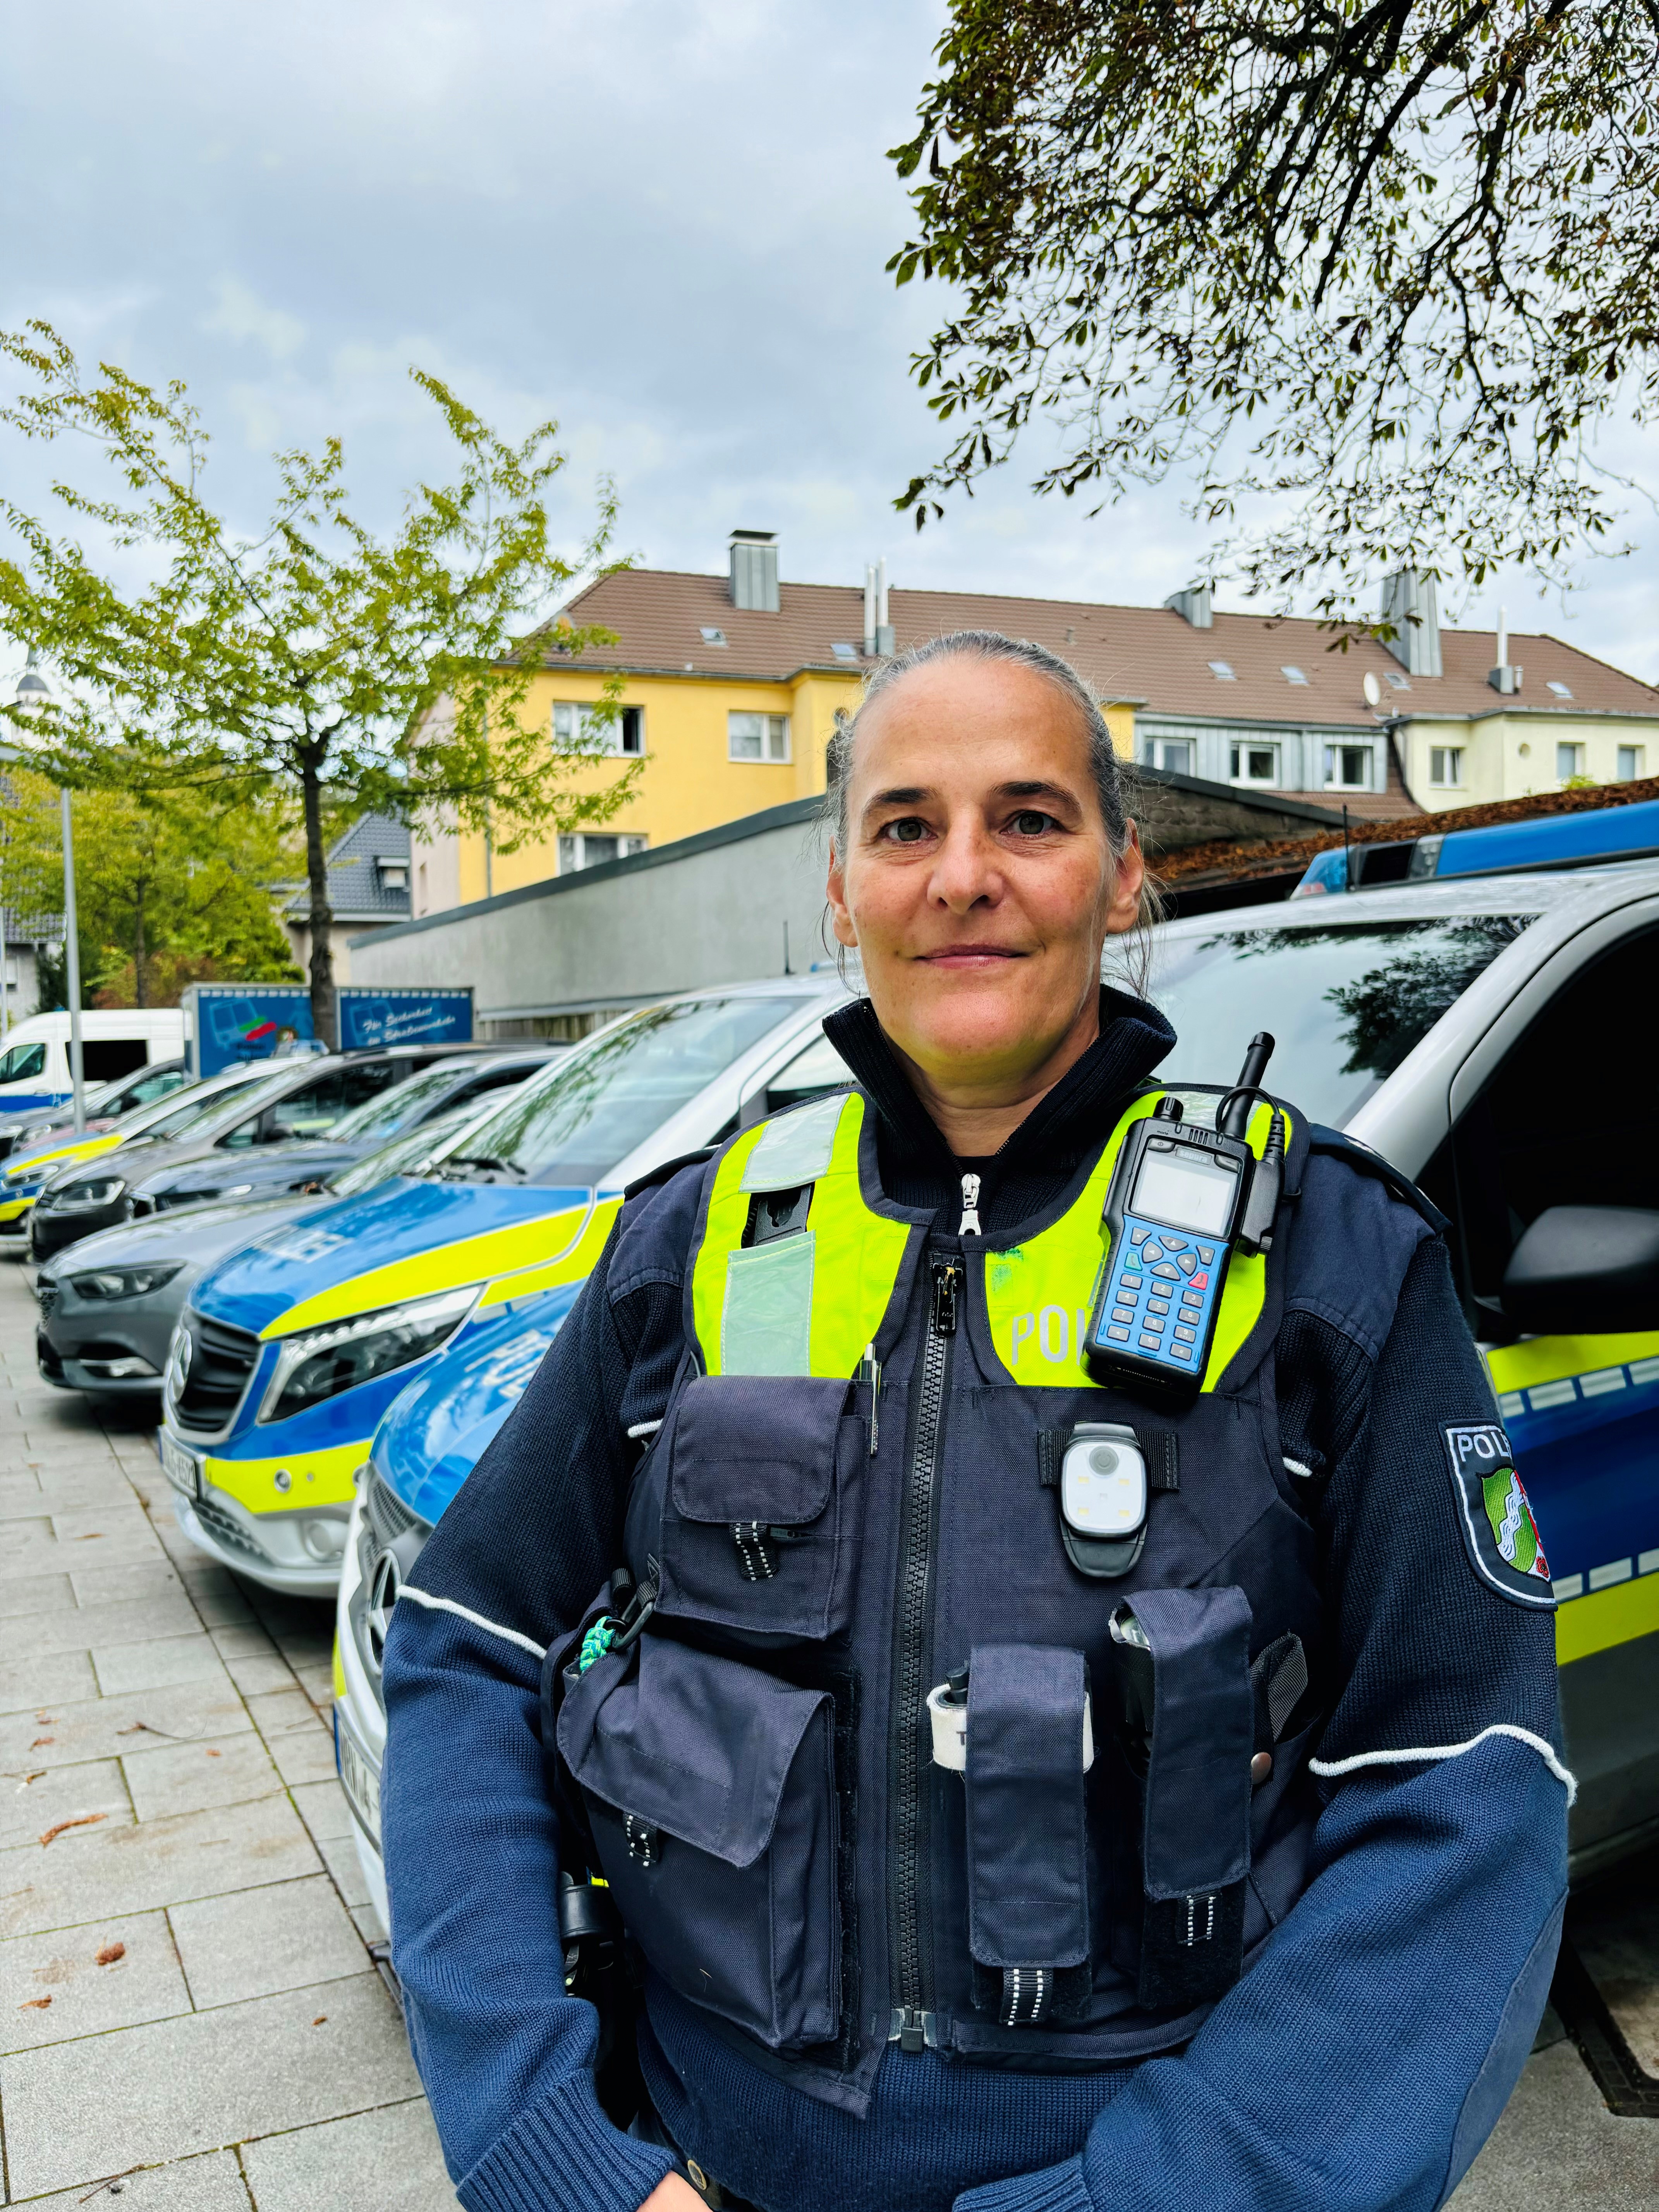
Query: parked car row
[{"x": 343, "y": 1339}]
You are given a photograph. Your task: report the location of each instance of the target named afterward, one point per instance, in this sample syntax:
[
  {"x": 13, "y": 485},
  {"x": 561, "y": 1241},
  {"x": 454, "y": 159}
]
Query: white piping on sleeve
[
  {"x": 1295, "y": 1466},
  {"x": 1544, "y": 1750},
  {"x": 465, "y": 1613},
  {"x": 644, "y": 1429}
]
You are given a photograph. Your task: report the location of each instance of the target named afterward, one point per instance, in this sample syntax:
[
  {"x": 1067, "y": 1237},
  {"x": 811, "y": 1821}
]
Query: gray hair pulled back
[{"x": 1111, "y": 781}]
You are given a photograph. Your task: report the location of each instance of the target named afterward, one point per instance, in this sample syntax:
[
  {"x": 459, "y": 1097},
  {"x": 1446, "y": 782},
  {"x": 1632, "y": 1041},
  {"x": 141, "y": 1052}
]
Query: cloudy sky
[{"x": 666, "y": 224}]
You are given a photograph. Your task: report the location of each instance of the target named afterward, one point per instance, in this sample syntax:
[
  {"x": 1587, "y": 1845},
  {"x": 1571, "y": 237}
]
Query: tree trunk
[
  {"x": 138, "y": 954},
  {"x": 323, "y": 1009}
]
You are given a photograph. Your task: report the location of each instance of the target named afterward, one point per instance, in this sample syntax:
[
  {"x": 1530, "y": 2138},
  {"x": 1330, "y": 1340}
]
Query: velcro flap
[
  {"x": 697, "y": 1745},
  {"x": 1197, "y": 1836},
  {"x": 756, "y": 1447},
  {"x": 1028, "y": 1885}
]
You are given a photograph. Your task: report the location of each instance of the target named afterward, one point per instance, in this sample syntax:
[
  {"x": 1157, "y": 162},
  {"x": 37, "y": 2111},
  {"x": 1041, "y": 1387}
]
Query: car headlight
[
  {"x": 320, "y": 1363},
  {"x": 104, "y": 1192},
  {"x": 124, "y": 1282}
]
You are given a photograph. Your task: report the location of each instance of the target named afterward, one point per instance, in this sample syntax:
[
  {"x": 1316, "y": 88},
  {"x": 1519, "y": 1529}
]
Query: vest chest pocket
[
  {"x": 758, "y": 1527},
  {"x": 711, "y": 1797}
]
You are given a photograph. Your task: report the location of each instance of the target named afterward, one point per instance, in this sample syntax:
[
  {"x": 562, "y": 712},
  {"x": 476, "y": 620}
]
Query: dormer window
[
  {"x": 393, "y": 874},
  {"x": 1222, "y": 671},
  {"x": 712, "y": 636}
]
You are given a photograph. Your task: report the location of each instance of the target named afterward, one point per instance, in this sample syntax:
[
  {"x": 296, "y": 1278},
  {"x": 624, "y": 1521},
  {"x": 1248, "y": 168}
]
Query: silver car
[{"x": 110, "y": 1303}]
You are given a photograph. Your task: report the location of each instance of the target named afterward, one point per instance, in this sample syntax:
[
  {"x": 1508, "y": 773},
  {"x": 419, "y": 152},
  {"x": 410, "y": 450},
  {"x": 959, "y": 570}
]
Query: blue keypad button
[
  {"x": 1186, "y": 1262},
  {"x": 1129, "y": 1282},
  {"x": 1180, "y": 1351},
  {"x": 1118, "y": 1335},
  {"x": 1167, "y": 1270},
  {"x": 1207, "y": 1253},
  {"x": 1150, "y": 1344},
  {"x": 1136, "y": 1236},
  {"x": 1185, "y": 1335}
]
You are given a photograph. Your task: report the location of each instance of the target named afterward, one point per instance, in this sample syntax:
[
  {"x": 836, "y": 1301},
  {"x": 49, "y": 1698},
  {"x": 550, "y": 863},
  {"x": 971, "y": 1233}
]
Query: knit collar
[{"x": 1078, "y": 1112}]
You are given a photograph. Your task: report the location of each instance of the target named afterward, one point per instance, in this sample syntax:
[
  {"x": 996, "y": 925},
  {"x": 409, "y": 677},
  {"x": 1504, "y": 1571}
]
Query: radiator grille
[{"x": 221, "y": 1360}]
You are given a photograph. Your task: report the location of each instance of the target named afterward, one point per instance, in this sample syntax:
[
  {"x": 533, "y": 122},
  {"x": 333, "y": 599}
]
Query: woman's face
[{"x": 978, "y": 883}]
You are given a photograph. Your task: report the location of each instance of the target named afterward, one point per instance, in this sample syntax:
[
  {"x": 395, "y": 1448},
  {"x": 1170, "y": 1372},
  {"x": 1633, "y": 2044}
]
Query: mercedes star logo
[
  {"x": 178, "y": 1363},
  {"x": 384, "y": 1585}
]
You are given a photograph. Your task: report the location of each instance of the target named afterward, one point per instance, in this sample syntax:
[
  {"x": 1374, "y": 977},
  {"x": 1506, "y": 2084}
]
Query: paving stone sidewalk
[{"x": 188, "y": 2010}]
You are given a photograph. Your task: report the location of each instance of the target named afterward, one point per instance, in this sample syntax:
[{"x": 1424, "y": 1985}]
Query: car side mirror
[{"x": 1585, "y": 1270}]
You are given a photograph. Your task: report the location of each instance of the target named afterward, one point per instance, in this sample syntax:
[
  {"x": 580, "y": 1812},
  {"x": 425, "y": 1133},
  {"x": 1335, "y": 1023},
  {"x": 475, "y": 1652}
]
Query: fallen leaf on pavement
[
  {"x": 216, "y": 1754},
  {"x": 35, "y": 2004},
  {"x": 40, "y": 1741},
  {"x": 81, "y": 1820},
  {"x": 318, "y": 2022},
  {"x": 91, "y": 1537},
  {"x": 27, "y": 1778},
  {"x": 109, "y": 1955}
]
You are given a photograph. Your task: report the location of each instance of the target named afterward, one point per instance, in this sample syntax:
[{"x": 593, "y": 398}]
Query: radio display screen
[{"x": 1187, "y": 1188}]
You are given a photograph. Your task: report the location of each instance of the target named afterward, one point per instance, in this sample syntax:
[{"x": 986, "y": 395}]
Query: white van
[{"x": 34, "y": 1067}]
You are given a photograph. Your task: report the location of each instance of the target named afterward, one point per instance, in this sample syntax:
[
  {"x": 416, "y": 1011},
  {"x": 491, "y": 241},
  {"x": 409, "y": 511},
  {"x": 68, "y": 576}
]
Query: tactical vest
[{"x": 851, "y": 1498}]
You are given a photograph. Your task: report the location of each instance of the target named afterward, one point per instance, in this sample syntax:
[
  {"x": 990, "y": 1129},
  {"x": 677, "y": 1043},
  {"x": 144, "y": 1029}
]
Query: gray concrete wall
[{"x": 711, "y": 909}]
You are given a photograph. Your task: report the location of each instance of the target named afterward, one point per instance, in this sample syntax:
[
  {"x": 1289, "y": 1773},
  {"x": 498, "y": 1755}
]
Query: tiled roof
[
  {"x": 357, "y": 891},
  {"x": 1150, "y": 655}
]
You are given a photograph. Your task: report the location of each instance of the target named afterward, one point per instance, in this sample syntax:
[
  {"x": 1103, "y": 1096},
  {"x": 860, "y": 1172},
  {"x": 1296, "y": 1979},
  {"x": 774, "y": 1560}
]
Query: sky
[{"x": 664, "y": 224}]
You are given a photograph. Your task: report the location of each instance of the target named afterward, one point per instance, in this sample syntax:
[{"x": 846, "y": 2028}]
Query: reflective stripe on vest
[
  {"x": 1039, "y": 1295},
  {"x": 761, "y": 1311}
]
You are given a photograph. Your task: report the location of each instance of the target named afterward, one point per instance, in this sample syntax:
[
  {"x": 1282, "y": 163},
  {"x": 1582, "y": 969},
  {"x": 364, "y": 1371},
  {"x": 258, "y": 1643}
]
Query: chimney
[
  {"x": 870, "y": 604},
  {"x": 1409, "y": 602},
  {"x": 1504, "y": 678},
  {"x": 755, "y": 570},
  {"x": 1193, "y": 605},
  {"x": 884, "y": 619}
]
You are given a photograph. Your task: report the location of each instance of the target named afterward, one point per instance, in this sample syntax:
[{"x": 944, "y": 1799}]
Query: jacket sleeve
[
  {"x": 1366, "y": 2056},
  {"x": 469, "y": 1835}
]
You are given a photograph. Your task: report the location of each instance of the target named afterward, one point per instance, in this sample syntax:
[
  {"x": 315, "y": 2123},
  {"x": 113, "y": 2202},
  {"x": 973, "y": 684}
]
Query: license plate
[
  {"x": 182, "y": 1468},
  {"x": 361, "y": 1779}
]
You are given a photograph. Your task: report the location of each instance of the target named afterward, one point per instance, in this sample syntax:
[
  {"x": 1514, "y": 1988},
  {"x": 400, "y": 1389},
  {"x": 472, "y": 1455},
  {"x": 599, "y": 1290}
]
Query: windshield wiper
[{"x": 485, "y": 1160}]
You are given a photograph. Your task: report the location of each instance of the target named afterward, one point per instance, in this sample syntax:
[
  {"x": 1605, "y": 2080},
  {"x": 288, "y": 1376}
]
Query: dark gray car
[
  {"x": 298, "y": 1099},
  {"x": 109, "y": 1305}
]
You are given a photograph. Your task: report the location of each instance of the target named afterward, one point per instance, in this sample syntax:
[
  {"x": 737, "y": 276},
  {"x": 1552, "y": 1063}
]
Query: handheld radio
[{"x": 1182, "y": 1200}]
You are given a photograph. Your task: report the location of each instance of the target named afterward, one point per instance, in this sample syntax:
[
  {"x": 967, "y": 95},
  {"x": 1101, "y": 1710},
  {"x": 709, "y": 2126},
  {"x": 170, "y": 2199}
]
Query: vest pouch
[
  {"x": 1027, "y": 1833},
  {"x": 759, "y": 1508},
  {"x": 1195, "y": 1794},
  {"x": 710, "y": 1792}
]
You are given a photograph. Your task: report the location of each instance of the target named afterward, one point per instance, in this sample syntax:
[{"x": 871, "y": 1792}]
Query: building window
[
  {"x": 1222, "y": 671},
  {"x": 1347, "y": 767},
  {"x": 1561, "y": 690},
  {"x": 843, "y": 650},
  {"x": 1446, "y": 766},
  {"x": 1293, "y": 675},
  {"x": 1630, "y": 764},
  {"x": 712, "y": 636},
  {"x": 577, "y": 727},
  {"x": 588, "y": 849},
  {"x": 1569, "y": 762},
  {"x": 1399, "y": 682},
  {"x": 1255, "y": 764},
  {"x": 1174, "y": 753},
  {"x": 757, "y": 737}
]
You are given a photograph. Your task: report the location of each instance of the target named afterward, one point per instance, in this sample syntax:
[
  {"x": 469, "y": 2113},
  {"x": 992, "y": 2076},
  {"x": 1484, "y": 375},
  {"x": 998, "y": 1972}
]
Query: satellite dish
[{"x": 1373, "y": 691}]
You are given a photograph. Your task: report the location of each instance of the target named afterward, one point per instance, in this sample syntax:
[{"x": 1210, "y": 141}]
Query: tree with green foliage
[
  {"x": 1381, "y": 270},
  {"x": 317, "y": 656},
  {"x": 170, "y": 888}
]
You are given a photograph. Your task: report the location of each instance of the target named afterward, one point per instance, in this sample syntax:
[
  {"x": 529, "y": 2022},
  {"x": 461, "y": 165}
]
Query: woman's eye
[
  {"x": 1029, "y": 823},
  {"x": 909, "y": 830}
]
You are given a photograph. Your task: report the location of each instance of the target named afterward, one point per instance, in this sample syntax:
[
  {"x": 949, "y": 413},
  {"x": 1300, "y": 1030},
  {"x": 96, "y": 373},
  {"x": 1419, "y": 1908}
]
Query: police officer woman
[{"x": 1004, "y": 1581}]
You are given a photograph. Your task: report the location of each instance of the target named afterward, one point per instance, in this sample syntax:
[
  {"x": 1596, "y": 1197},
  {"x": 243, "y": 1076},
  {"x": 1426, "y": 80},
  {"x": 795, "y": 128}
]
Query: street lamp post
[{"x": 31, "y": 693}]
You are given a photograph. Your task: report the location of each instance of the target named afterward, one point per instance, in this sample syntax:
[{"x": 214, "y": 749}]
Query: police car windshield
[
  {"x": 408, "y": 1154},
  {"x": 1346, "y": 1004},
  {"x": 172, "y": 1116},
  {"x": 385, "y": 1114},
  {"x": 615, "y": 1093}
]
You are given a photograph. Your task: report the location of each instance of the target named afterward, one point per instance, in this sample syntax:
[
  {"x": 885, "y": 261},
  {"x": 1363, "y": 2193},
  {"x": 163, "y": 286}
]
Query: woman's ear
[
  {"x": 1125, "y": 909},
  {"x": 841, "y": 918}
]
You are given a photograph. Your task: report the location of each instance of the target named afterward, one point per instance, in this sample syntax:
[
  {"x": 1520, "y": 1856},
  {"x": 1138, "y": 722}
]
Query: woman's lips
[{"x": 969, "y": 956}]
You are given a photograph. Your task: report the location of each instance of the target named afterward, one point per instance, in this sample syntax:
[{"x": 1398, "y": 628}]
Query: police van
[
  {"x": 1492, "y": 1038},
  {"x": 35, "y": 1065}
]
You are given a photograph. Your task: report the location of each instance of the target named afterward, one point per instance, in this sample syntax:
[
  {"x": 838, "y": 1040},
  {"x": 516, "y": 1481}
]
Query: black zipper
[{"x": 910, "y": 2018}]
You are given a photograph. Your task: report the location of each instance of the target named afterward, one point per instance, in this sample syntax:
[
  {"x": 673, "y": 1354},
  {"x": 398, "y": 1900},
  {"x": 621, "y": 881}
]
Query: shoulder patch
[{"x": 1500, "y": 1533}]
